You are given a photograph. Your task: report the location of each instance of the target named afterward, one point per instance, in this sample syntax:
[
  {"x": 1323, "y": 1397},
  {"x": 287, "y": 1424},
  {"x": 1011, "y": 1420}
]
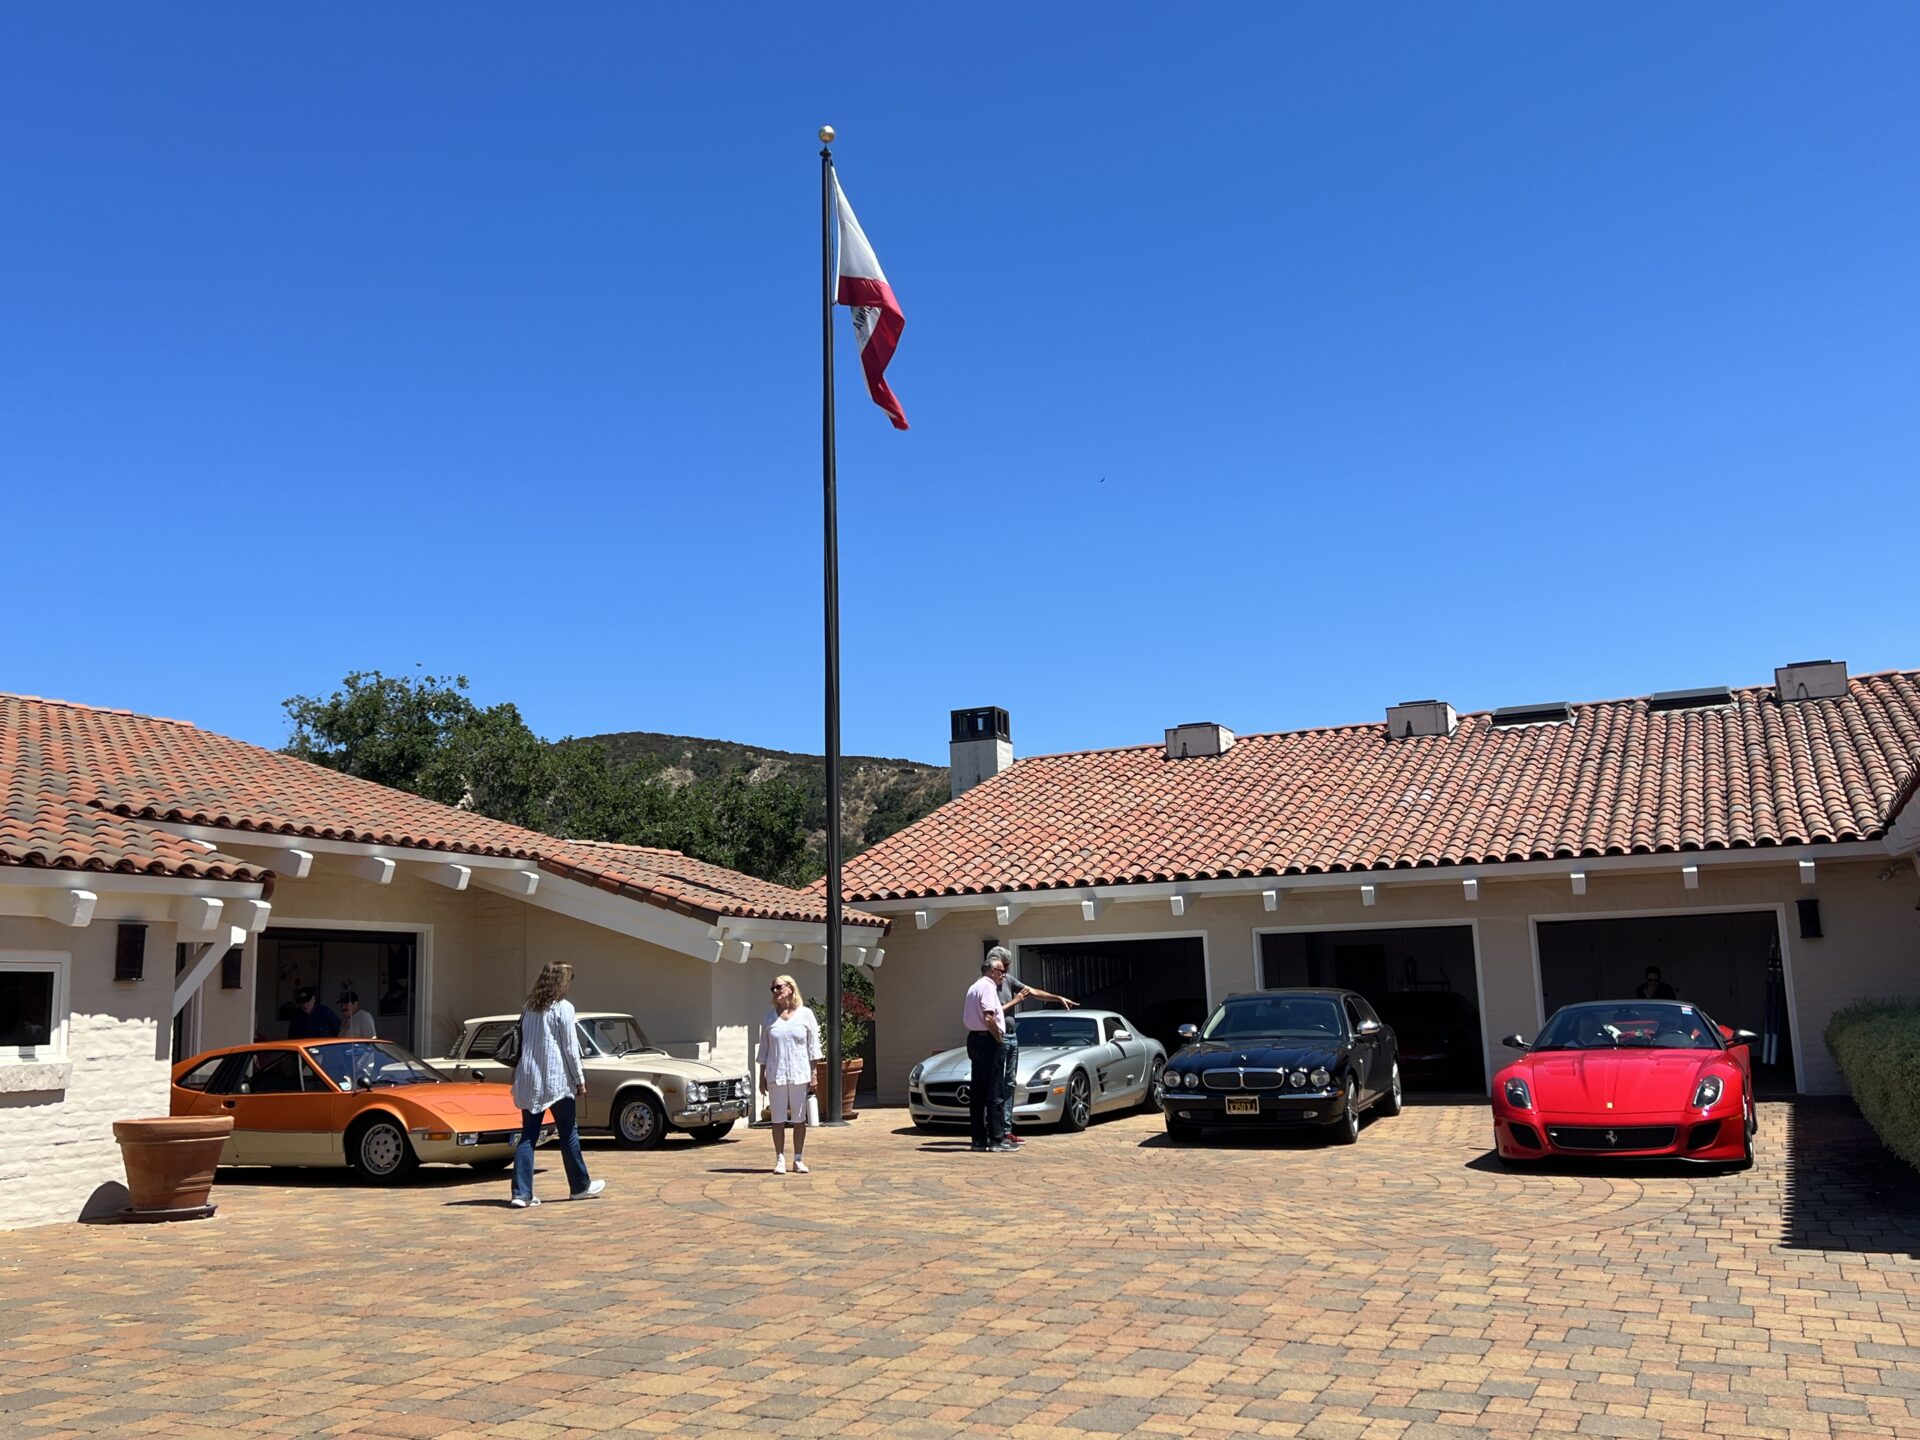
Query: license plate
[{"x": 1243, "y": 1104}]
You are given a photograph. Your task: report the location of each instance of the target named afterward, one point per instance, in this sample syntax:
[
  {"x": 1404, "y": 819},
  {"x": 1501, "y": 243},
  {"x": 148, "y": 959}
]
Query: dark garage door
[
  {"x": 1160, "y": 985},
  {"x": 1728, "y": 965},
  {"x": 1421, "y": 980}
]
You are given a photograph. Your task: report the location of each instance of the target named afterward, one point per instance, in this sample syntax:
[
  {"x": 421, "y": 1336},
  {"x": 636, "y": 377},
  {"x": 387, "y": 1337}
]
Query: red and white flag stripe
[{"x": 877, "y": 320}]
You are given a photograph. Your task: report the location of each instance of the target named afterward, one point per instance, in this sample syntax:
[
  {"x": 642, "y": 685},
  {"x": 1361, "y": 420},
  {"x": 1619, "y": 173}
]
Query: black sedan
[{"x": 1284, "y": 1059}]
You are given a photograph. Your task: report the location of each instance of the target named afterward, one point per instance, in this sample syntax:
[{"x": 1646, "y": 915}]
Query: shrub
[
  {"x": 1876, "y": 1044},
  {"x": 856, "y": 1017}
]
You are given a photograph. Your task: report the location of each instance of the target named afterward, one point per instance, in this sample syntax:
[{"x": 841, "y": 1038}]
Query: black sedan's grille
[
  {"x": 1238, "y": 1079},
  {"x": 1621, "y": 1137}
]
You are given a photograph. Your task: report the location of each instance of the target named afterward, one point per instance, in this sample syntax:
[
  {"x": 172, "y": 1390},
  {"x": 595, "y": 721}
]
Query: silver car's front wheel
[
  {"x": 1156, "y": 1086},
  {"x": 1077, "y": 1112}
]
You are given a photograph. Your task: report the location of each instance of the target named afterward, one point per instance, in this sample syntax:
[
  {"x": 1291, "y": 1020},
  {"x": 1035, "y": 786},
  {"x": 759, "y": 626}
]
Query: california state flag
[{"x": 877, "y": 320}]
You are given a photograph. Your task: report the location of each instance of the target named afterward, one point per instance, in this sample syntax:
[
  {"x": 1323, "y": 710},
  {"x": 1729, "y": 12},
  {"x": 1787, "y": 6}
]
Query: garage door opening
[
  {"x": 1422, "y": 981},
  {"x": 381, "y": 968},
  {"x": 1728, "y": 965},
  {"x": 1159, "y": 985}
]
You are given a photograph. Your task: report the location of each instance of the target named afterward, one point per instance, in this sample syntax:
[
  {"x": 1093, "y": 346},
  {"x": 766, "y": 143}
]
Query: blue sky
[{"x": 1266, "y": 364}]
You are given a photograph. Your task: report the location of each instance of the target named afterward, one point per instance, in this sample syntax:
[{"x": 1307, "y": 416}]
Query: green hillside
[{"x": 877, "y": 796}]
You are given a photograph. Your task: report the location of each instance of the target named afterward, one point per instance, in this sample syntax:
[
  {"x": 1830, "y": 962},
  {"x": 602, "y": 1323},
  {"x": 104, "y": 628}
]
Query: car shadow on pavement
[
  {"x": 427, "y": 1177},
  {"x": 1845, "y": 1191},
  {"x": 1247, "y": 1140}
]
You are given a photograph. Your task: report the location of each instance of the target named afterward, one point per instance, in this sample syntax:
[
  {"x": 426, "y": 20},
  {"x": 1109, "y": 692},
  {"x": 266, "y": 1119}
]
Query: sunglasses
[{"x": 778, "y": 988}]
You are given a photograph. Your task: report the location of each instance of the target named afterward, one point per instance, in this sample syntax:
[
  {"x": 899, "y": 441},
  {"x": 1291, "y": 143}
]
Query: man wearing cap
[{"x": 311, "y": 1020}]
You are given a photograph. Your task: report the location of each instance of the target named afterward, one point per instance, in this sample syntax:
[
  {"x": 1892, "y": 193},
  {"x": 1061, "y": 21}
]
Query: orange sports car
[{"x": 367, "y": 1104}]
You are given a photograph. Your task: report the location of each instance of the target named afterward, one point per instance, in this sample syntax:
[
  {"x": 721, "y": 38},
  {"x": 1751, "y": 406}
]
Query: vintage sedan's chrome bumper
[{"x": 709, "y": 1112}]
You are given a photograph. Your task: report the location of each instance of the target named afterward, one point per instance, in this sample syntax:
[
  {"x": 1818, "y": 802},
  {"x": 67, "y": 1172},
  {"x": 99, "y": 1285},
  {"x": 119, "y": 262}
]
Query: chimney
[
  {"x": 982, "y": 747},
  {"x": 1420, "y": 717},
  {"x": 1811, "y": 680},
  {"x": 1202, "y": 737}
]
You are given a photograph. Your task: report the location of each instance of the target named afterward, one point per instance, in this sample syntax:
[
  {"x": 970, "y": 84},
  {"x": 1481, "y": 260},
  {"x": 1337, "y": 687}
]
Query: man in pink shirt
[{"x": 986, "y": 1024}]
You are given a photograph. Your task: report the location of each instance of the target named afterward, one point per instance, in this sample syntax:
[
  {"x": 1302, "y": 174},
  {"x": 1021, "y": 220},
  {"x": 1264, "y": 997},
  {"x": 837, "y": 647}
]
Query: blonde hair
[
  {"x": 555, "y": 979},
  {"x": 792, "y": 985}
]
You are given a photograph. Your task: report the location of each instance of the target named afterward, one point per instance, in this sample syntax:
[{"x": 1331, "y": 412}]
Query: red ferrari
[{"x": 1641, "y": 1078}]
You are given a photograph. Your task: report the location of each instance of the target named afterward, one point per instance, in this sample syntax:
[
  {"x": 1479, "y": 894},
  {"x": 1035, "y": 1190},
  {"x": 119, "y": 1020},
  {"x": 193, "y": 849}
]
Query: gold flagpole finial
[{"x": 826, "y": 134}]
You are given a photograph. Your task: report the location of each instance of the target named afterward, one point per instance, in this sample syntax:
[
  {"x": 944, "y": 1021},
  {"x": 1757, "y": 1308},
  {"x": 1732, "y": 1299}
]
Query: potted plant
[
  {"x": 856, "y": 1023},
  {"x": 169, "y": 1162}
]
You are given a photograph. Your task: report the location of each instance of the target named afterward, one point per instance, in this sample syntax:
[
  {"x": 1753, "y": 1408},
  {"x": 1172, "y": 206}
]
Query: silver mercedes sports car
[{"x": 1074, "y": 1065}]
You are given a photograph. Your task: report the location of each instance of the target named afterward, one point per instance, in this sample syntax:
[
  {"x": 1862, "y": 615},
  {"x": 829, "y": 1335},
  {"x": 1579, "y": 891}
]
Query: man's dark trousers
[{"x": 983, "y": 1110}]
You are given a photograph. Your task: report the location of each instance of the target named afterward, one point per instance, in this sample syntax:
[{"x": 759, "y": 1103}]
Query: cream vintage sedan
[{"x": 635, "y": 1090}]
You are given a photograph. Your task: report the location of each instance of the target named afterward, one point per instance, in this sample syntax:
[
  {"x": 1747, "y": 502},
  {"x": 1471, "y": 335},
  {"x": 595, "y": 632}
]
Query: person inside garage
[{"x": 1655, "y": 988}]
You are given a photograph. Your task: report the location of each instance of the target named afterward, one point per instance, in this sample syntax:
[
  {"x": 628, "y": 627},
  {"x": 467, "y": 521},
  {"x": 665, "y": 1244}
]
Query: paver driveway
[{"x": 1098, "y": 1284}]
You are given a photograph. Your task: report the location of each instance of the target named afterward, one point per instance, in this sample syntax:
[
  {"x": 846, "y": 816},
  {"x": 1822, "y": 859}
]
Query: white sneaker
[
  {"x": 799, "y": 1166},
  {"x": 593, "y": 1189},
  {"x": 516, "y": 1203},
  {"x": 779, "y": 1164}
]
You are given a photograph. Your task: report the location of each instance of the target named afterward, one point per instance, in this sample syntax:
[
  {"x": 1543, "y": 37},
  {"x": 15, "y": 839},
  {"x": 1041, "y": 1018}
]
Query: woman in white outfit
[
  {"x": 549, "y": 1076},
  {"x": 789, "y": 1044}
]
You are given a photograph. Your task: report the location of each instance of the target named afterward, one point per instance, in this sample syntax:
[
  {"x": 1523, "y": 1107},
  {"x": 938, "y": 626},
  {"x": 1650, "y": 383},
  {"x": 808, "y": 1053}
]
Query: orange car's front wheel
[{"x": 379, "y": 1150}]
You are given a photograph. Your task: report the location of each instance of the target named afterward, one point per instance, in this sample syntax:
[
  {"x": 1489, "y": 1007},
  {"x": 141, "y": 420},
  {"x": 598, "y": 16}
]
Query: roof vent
[
  {"x": 1811, "y": 680},
  {"x": 1420, "y": 717},
  {"x": 1704, "y": 698},
  {"x": 1202, "y": 737},
  {"x": 1553, "y": 712}
]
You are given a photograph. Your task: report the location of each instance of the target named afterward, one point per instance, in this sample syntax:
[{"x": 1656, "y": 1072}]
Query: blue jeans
[
  {"x": 1009, "y": 1065},
  {"x": 564, "y": 1116}
]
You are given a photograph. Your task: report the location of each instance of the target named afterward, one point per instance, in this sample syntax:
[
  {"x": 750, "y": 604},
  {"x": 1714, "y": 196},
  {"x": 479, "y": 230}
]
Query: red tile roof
[
  {"x": 1619, "y": 780},
  {"x": 679, "y": 882},
  {"x": 83, "y": 784}
]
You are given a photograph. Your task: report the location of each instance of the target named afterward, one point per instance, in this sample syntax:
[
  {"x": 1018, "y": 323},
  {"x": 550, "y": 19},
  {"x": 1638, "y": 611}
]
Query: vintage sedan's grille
[
  {"x": 1619, "y": 1137},
  {"x": 1238, "y": 1079},
  {"x": 948, "y": 1093}
]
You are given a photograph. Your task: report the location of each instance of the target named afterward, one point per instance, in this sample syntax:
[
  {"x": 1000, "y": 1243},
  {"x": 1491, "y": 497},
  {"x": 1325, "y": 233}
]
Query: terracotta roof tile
[
  {"x": 1619, "y": 779},
  {"x": 82, "y": 786},
  {"x": 679, "y": 882}
]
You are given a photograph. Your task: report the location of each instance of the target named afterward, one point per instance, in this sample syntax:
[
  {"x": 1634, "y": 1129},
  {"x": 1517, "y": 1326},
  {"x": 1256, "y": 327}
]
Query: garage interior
[
  {"x": 1158, "y": 984},
  {"x": 1729, "y": 965},
  {"x": 379, "y": 967},
  {"x": 1419, "y": 978}
]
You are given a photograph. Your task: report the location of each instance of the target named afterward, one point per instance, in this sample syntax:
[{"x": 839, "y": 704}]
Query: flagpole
[{"x": 830, "y": 1106}]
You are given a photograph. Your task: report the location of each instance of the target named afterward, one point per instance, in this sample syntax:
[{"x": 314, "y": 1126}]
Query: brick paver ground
[{"x": 1095, "y": 1285}]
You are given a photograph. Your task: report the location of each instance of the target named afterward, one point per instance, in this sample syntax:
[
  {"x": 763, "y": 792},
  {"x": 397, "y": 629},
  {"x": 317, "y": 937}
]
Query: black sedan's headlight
[{"x": 1518, "y": 1095}]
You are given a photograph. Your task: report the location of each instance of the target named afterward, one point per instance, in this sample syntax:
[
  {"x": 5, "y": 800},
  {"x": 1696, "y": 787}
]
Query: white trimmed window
[{"x": 33, "y": 1005}]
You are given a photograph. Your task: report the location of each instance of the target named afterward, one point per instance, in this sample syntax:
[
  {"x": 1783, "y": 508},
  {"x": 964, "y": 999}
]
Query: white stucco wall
[
  {"x": 1871, "y": 945},
  {"x": 56, "y": 1145},
  {"x": 670, "y": 993}
]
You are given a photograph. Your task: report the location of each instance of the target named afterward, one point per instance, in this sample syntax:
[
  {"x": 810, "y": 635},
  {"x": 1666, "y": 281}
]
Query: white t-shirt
[
  {"x": 358, "y": 1026},
  {"x": 789, "y": 1044}
]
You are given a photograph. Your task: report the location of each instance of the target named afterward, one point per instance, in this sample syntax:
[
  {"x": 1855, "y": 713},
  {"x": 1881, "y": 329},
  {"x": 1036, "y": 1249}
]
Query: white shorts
[{"x": 789, "y": 1103}]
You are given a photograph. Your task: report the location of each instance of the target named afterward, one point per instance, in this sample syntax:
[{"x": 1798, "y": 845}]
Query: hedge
[{"x": 1876, "y": 1043}]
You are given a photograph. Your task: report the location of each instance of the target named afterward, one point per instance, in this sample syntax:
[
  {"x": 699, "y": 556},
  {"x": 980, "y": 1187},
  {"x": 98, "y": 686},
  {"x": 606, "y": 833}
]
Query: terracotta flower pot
[
  {"x": 849, "y": 1082},
  {"x": 170, "y": 1160}
]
